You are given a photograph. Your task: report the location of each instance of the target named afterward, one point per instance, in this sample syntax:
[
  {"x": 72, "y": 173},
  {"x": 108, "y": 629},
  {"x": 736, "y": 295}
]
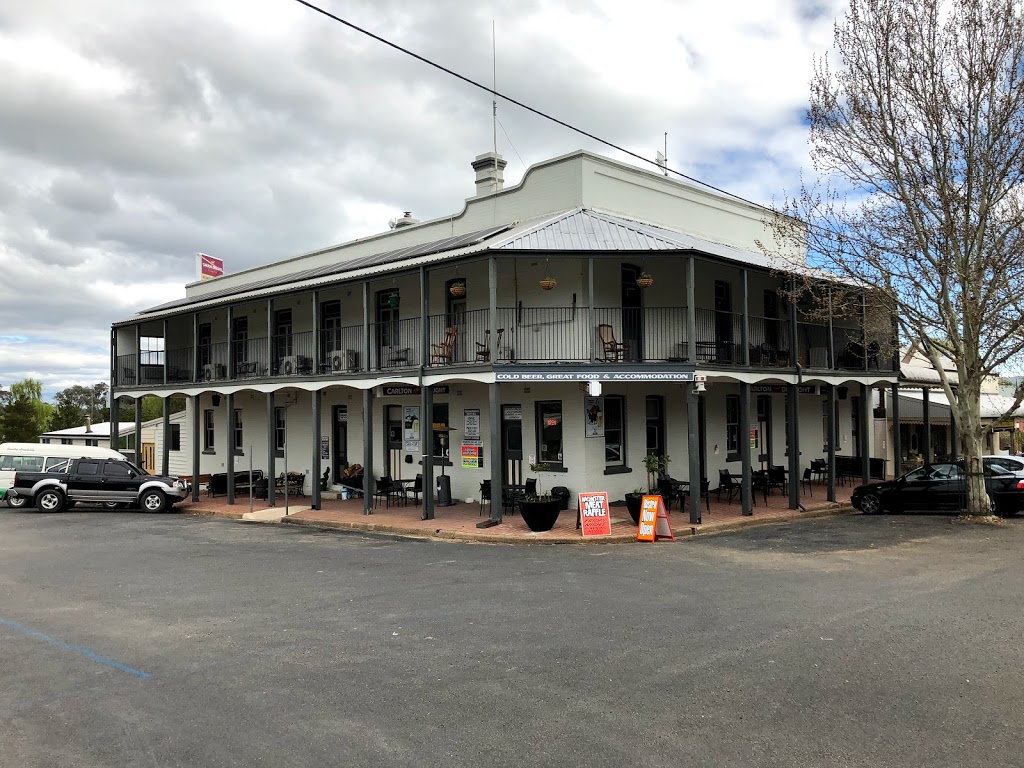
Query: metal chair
[
  {"x": 777, "y": 478},
  {"x": 727, "y": 484},
  {"x": 383, "y": 489},
  {"x": 806, "y": 480},
  {"x": 485, "y": 494},
  {"x": 614, "y": 351},
  {"x": 668, "y": 492}
]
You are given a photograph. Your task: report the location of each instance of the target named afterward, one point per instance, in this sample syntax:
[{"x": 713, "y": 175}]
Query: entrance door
[
  {"x": 340, "y": 441},
  {"x": 512, "y": 444},
  {"x": 632, "y": 313},
  {"x": 149, "y": 457},
  {"x": 456, "y": 317},
  {"x": 393, "y": 443},
  {"x": 723, "y": 322},
  {"x": 764, "y": 430}
]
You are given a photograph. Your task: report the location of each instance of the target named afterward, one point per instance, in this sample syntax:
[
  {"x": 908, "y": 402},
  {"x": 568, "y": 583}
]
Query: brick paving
[{"x": 460, "y": 520}]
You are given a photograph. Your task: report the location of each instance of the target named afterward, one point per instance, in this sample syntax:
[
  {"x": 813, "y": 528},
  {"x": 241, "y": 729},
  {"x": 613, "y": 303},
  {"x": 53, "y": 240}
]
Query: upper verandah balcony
[{"x": 539, "y": 335}]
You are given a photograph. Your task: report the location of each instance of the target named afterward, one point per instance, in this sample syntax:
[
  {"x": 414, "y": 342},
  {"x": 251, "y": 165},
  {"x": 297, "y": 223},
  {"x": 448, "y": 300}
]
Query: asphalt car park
[{"x": 135, "y": 639}]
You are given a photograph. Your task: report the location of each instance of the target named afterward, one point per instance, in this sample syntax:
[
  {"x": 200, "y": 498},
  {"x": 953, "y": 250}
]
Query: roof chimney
[
  {"x": 88, "y": 423},
  {"x": 406, "y": 221},
  {"x": 490, "y": 176}
]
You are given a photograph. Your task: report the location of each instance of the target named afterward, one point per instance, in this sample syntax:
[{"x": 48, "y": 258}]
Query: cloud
[{"x": 136, "y": 134}]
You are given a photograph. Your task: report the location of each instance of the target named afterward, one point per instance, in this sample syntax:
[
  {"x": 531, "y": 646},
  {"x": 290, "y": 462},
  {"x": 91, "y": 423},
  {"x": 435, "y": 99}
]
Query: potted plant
[
  {"x": 634, "y": 500},
  {"x": 655, "y": 466},
  {"x": 644, "y": 280},
  {"x": 457, "y": 289},
  {"x": 393, "y": 300},
  {"x": 540, "y": 510},
  {"x": 548, "y": 282}
]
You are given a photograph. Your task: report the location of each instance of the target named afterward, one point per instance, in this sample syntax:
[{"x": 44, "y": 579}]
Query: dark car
[{"x": 940, "y": 487}]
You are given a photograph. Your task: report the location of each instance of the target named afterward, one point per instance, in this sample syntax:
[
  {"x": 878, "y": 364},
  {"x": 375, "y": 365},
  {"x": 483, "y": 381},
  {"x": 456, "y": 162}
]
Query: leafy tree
[
  {"x": 25, "y": 414},
  {"x": 76, "y": 403},
  {"x": 918, "y": 136}
]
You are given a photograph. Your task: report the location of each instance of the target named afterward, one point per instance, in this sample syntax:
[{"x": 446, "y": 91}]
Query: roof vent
[{"x": 406, "y": 221}]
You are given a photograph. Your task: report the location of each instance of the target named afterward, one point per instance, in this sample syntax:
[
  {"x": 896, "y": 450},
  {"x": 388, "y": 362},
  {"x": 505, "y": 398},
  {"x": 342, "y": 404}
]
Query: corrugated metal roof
[
  {"x": 342, "y": 267},
  {"x": 590, "y": 230},
  {"x": 577, "y": 230},
  {"x": 992, "y": 406}
]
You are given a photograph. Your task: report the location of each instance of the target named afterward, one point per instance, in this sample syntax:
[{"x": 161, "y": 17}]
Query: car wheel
[
  {"x": 50, "y": 500},
  {"x": 153, "y": 501},
  {"x": 17, "y": 502},
  {"x": 870, "y": 504}
]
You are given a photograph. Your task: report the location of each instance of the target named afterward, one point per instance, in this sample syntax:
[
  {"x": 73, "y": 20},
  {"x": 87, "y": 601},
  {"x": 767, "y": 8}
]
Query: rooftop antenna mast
[
  {"x": 494, "y": 89},
  {"x": 662, "y": 157}
]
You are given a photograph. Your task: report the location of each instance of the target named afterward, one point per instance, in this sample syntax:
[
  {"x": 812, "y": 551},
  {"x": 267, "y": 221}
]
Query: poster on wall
[
  {"x": 471, "y": 429},
  {"x": 411, "y": 429},
  {"x": 325, "y": 447},
  {"x": 470, "y": 457},
  {"x": 594, "y": 416}
]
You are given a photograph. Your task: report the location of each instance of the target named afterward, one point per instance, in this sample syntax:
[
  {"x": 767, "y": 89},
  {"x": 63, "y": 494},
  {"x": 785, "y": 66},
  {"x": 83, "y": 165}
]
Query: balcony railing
[{"x": 526, "y": 334}]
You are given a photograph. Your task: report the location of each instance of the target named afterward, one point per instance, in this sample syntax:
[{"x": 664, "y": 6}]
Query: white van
[{"x": 41, "y": 457}]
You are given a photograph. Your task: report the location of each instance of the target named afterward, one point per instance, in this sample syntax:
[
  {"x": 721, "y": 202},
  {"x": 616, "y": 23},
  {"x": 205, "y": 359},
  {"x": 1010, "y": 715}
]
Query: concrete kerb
[{"x": 681, "y": 532}]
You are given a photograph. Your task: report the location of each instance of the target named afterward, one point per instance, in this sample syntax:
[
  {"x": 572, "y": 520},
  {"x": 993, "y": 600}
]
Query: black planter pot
[
  {"x": 540, "y": 515},
  {"x": 633, "y": 503}
]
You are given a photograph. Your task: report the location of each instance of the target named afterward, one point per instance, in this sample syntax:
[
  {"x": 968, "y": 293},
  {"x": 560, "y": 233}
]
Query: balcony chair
[
  {"x": 444, "y": 353},
  {"x": 727, "y": 484},
  {"x": 614, "y": 351},
  {"x": 398, "y": 356},
  {"x": 483, "y": 349}
]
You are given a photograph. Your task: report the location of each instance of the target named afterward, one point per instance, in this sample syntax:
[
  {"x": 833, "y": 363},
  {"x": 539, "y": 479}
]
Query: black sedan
[{"x": 939, "y": 487}]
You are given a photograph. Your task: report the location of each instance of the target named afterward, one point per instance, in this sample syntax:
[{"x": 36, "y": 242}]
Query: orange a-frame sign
[
  {"x": 595, "y": 519},
  {"x": 654, "y": 523}
]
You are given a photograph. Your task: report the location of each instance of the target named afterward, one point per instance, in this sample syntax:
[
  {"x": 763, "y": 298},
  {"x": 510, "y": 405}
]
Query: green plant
[
  {"x": 655, "y": 465},
  {"x": 539, "y": 466},
  {"x": 637, "y": 492}
]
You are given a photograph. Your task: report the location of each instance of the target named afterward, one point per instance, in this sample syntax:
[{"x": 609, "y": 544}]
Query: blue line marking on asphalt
[{"x": 76, "y": 648}]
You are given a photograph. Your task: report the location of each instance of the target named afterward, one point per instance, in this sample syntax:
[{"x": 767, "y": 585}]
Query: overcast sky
[{"x": 135, "y": 134}]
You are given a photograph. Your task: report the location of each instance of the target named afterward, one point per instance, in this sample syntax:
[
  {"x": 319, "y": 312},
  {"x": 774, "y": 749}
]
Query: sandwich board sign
[
  {"x": 653, "y": 520},
  {"x": 594, "y": 517}
]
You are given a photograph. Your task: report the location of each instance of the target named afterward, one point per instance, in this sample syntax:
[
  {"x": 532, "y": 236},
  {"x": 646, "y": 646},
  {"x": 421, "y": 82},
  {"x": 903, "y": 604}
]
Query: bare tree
[{"x": 918, "y": 136}]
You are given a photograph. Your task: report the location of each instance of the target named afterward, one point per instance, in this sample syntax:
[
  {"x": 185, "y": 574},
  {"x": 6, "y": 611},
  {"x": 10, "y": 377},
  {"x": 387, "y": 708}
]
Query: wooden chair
[
  {"x": 483, "y": 349},
  {"x": 614, "y": 351},
  {"x": 443, "y": 353}
]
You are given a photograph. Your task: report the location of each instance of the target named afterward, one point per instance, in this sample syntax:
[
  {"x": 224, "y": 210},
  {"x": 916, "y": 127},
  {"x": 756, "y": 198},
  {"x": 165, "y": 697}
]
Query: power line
[{"x": 520, "y": 104}]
